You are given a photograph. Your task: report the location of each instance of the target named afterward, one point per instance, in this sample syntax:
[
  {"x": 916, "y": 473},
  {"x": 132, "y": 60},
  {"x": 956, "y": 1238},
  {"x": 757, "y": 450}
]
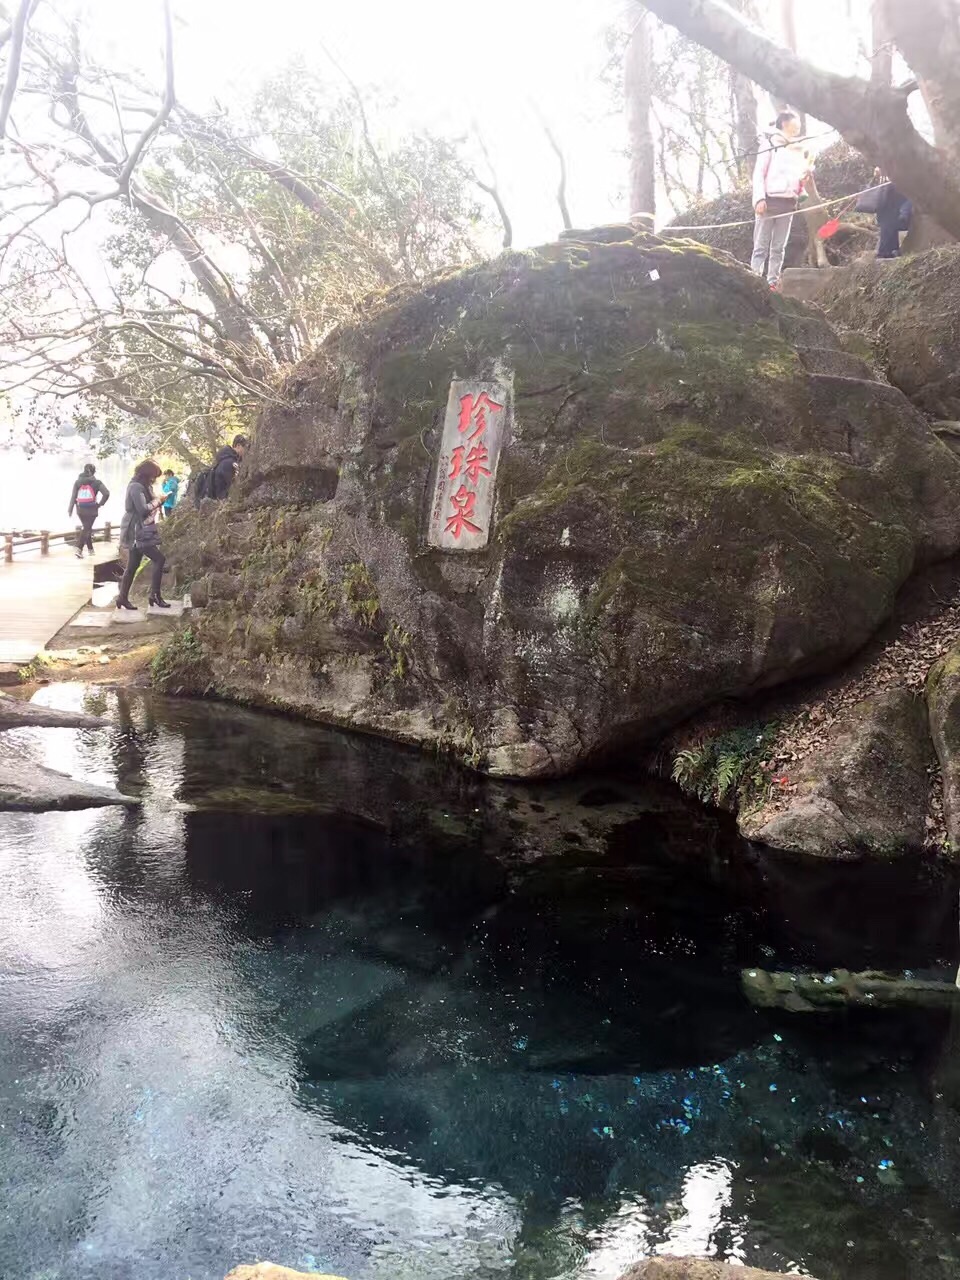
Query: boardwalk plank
[{"x": 40, "y": 594}]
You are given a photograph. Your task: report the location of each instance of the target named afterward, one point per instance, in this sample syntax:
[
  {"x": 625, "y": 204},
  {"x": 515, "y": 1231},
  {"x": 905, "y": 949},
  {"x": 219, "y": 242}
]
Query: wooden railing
[{"x": 13, "y": 542}]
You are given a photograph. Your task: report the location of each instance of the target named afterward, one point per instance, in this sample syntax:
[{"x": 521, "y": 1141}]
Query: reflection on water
[{"x": 326, "y": 1002}]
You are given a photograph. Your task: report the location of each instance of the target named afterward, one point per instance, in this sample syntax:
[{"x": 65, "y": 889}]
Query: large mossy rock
[
  {"x": 865, "y": 793},
  {"x": 908, "y": 307},
  {"x": 684, "y": 512}
]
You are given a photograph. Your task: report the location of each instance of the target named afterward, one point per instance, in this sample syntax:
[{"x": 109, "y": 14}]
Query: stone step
[
  {"x": 806, "y": 330},
  {"x": 835, "y": 363},
  {"x": 830, "y": 390},
  {"x": 805, "y": 283}
]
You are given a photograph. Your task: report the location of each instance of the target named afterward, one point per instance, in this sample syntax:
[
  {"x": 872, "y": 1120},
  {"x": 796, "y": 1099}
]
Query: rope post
[
  {"x": 8, "y": 548},
  {"x": 44, "y": 542}
]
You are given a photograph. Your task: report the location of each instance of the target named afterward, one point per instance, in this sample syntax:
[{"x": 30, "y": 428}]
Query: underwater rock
[
  {"x": 695, "y": 1269},
  {"x": 270, "y": 1271}
]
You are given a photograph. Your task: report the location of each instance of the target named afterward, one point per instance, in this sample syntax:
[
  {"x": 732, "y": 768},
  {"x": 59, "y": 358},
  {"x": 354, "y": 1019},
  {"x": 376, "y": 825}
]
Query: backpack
[
  {"x": 201, "y": 486},
  {"x": 86, "y": 493}
]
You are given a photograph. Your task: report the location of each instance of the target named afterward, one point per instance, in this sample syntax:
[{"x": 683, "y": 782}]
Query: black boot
[
  {"x": 123, "y": 603},
  {"x": 159, "y": 601}
]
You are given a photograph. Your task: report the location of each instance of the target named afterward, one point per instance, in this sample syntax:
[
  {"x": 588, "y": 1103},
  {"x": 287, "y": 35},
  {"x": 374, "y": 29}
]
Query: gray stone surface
[
  {"x": 14, "y": 714},
  {"x": 866, "y": 791},
  {"x": 91, "y": 620},
  {"x": 28, "y": 786}
]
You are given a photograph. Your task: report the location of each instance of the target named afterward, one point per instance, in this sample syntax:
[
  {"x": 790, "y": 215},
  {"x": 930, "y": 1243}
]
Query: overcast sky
[{"x": 450, "y": 62}]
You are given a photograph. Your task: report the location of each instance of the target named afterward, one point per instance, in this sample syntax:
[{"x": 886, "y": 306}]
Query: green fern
[
  {"x": 724, "y": 765},
  {"x": 729, "y": 770},
  {"x": 689, "y": 765}
]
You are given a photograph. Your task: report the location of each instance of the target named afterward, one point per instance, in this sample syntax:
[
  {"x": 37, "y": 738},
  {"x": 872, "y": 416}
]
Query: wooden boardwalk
[{"x": 39, "y": 594}]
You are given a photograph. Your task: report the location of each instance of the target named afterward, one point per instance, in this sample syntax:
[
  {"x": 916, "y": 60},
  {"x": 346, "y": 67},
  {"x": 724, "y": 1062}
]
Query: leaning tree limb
[{"x": 871, "y": 118}]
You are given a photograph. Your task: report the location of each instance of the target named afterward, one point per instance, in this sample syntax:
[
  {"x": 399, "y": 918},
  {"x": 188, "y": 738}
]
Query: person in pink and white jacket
[{"x": 781, "y": 171}]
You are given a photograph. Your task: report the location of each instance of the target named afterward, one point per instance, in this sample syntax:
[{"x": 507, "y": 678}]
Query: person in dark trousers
[
  {"x": 140, "y": 536},
  {"x": 89, "y": 495},
  {"x": 894, "y": 215},
  {"x": 226, "y": 465}
]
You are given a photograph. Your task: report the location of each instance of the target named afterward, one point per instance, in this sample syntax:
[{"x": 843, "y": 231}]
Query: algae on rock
[
  {"x": 683, "y": 512},
  {"x": 943, "y": 700}
]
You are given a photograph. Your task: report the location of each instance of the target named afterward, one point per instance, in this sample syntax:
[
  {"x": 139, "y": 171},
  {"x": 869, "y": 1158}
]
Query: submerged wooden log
[{"x": 841, "y": 989}]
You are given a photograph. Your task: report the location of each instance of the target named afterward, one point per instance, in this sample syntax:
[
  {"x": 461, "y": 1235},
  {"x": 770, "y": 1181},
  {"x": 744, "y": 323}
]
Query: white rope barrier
[{"x": 811, "y": 208}]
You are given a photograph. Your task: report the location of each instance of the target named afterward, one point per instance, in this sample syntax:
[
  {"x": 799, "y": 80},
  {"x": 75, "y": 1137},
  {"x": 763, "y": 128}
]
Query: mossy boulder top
[{"x": 702, "y": 494}]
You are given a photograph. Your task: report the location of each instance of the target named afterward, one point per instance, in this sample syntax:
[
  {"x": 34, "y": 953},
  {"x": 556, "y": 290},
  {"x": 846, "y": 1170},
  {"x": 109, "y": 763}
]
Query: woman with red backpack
[{"x": 89, "y": 495}]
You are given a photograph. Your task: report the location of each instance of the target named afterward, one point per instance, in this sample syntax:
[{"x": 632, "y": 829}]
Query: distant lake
[{"x": 35, "y": 491}]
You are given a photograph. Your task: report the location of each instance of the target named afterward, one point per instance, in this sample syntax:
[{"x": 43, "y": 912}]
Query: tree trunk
[
  {"x": 881, "y": 54},
  {"x": 788, "y": 19},
  {"x": 744, "y": 101},
  {"x": 743, "y": 96},
  {"x": 927, "y": 33},
  {"x": 638, "y": 93},
  {"x": 870, "y": 119},
  {"x": 703, "y": 125}
]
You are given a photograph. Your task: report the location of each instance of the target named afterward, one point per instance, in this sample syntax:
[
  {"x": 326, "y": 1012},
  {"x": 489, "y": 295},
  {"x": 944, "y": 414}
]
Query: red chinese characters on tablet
[{"x": 468, "y": 462}]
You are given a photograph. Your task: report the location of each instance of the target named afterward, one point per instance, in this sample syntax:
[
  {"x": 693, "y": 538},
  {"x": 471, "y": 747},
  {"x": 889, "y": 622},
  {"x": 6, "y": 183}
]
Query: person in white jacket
[{"x": 781, "y": 171}]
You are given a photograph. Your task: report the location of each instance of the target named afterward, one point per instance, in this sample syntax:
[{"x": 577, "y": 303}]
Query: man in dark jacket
[
  {"x": 89, "y": 495},
  {"x": 226, "y": 465}
]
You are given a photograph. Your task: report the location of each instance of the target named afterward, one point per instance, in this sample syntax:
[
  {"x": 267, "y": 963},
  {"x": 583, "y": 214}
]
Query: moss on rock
[{"x": 683, "y": 511}]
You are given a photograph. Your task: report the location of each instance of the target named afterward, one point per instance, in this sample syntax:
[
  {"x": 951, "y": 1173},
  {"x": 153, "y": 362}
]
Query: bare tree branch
[
  {"x": 166, "y": 106},
  {"x": 18, "y": 32},
  {"x": 562, "y": 184},
  {"x": 493, "y": 191}
]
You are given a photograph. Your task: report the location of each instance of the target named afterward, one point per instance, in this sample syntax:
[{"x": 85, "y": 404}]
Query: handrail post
[
  {"x": 44, "y": 542},
  {"x": 108, "y": 532},
  {"x": 8, "y": 548}
]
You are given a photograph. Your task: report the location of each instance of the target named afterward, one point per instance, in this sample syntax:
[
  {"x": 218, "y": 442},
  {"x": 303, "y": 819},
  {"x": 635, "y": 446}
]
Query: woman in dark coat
[
  {"x": 88, "y": 496},
  {"x": 140, "y": 536}
]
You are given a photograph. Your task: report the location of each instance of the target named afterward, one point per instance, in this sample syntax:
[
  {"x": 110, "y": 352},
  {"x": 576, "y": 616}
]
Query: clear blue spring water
[{"x": 329, "y": 1003}]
